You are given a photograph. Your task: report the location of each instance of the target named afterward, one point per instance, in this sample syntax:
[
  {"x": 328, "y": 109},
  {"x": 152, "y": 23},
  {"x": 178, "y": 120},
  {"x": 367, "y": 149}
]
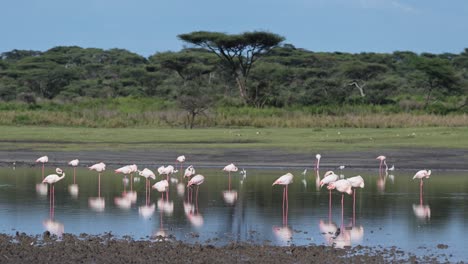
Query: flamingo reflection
[
  {"x": 54, "y": 227},
  {"x": 147, "y": 210},
  {"x": 381, "y": 181},
  {"x": 422, "y": 211},
  {"x": 148, "y": 174},
  {"x": 328, "y": 178},
  {"x": 356, "y": 182},
  {"x": 342, "y": 186},
  {"x": 317, "y": 180},
  {"x": 230, "y": 197}
]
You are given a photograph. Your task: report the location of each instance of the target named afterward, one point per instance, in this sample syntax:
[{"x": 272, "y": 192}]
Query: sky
[{"x": 150, "y": 26}]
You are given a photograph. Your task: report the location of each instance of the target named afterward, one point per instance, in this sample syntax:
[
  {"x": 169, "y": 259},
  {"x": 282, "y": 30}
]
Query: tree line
[{"x": 253, "y": 68}]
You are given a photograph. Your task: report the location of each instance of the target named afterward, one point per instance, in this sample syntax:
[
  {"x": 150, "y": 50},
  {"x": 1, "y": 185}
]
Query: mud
[
  {"x": 106, "y": 249},
  {"x": 403, "y": 158}
]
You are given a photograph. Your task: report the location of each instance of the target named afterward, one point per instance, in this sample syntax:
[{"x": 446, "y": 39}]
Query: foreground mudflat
[{"x": 106, "y": 249}]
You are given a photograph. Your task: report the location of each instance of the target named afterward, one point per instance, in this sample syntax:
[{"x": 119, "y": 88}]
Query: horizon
[{"x": 148, "y": 27}]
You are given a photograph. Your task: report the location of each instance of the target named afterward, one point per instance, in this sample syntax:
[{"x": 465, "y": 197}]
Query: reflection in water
[
  {"x": 328, "y": 229},
  {"x": 41, "y": 189},
  {"x": 54, "y": 227},
  {"x": 97, "y": 204},
  {"x": 230, "y": 197},
  {"x": 123, "y": 202},
  {"x": 381, "y": 181},
  {"x": 180, "y": 189},
  {"x": 317, "y": 180},
  {"x": 421, "y": 211},
  {"x": 146, "y": 211},
  {"x": 357, "y": 234},
  {"x": 284, "y": 234},
  {"x": 166, "y": 206},
  {"x": 73, "y": 190}
]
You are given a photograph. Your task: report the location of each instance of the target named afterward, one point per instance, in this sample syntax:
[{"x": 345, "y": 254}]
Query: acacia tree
[{"x": 237, "y": 52}]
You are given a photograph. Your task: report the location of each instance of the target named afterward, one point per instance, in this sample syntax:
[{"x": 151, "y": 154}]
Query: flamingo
[
  {"x": 356, "y": 182},
  {"x": 99, "y": 167},
  {"x": 125, "y": 170},
  {"x": 181, "y": 159},
  {"x": 382, "y": 161},
  {"x": 421, "y": 175},
  {"x": 166, "y": 171},
  {"x": 74, "y": 163},
  {"x": 343, "y": 186},
  {"x": 328, "y": 178},
  {"x": 161, "y": 186},
  {"x": 317, "y": 162},
  {"x": 51, "y": 180},
  {"x": 189, "y": 172},
  {"x": 147, "y": 173},
  {"x": 196, "y": 180},
  {"x": 284, "y": 180},
  {"x": 230, "y": 168},
  {"x": 43, "y": 160}
]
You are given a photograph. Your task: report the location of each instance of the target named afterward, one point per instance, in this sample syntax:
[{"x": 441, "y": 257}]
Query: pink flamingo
[
  {"x": 328, "y": 178},
  {"x": 284, "y": 180},
  {"x": 343, "y": 186},
  {"x": 356, "y": 182},
  {"x": 125, "y": 170},
  {"x": 382, "y": 161},
  {"x": 147, "y": 173},
  {"x": 181, "y": 160},
  {"x": 99, "y": 167},
  {"x": 196, "y": 180},
  {"x": 317, "y": 161},
  {"x": 421, "y": 175},
  {"x": 51, "y": 180},
  {"x": 74, "y": 163},
  {"x": 189, "y": 172},
  {"x": 162, "y": 186},
  {"x": 230, "y": 168},
  {"x": 43, "y": 160}
]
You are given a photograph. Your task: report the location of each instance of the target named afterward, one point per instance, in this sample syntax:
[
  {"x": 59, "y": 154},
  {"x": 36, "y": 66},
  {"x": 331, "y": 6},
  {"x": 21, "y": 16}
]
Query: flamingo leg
[
  {"x": 342, "y": 210},
  {"x": 284, "y": 195},
  {"x": 43, "y": 171},
  {"x": 229, "y": 181},
  {"x": 196, "y": 199},
  {"x": 131, "y": 182},
  {"x": 354, "y": 207},
  {"x": 74, "y": 175},
  {"x": 99, "y": 185}
]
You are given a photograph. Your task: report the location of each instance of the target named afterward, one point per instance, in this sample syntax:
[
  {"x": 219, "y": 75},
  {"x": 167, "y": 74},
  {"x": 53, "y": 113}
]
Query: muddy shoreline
[
  {"x": 402, "y": 158},
  {"x": 21, "y": 248}
]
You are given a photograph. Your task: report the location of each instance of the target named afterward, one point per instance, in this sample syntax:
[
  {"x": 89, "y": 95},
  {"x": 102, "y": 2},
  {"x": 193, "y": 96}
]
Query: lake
[{"x": 389, "y": 211}]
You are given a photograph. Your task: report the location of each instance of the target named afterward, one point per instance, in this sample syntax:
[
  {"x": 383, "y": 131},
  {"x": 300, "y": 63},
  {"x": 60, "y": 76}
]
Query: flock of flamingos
[{"x": 330, "y": 179}]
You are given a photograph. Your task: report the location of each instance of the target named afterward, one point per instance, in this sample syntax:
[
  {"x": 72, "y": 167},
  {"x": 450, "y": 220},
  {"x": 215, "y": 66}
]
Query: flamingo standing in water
[
  {"x": 181, "y": 159},
  {"x": 147, "y": 173},
  {"x": 99, "y": 167},
  {"x": 74, "y": 163},
  {"x": 328, "y": 178},
  {"x": 196, "y": 180},
  {"x": 230, "y": 168},
  {"x": 421, "y": 175},
  {"x": 189, "y": 172},
  {"x": 51, "y": 180},
  {"x": 317, "y": 161},
  {"x": 162, "y": 186},
  {"x": 125, "y": 170},
  {"x": 343, "y": 186},
  {"x": 382, "y": 162},
  {"x": 356, "y": 182},
  {"x": 43, "y": 160},
  {"x": 284, "y": 180}
]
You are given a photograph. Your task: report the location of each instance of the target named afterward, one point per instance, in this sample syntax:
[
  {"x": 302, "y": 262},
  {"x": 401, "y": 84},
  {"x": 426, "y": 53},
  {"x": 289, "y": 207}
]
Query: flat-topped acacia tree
[{"x": 237, "y": 52}]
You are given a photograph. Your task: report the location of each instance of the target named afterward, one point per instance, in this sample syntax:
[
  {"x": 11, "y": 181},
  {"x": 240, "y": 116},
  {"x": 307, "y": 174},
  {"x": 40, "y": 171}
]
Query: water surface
[{"x": 389, "y": 211}]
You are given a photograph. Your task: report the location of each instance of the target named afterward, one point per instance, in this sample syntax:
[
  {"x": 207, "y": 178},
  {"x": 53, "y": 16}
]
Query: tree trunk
[{"x": 242, "y": 89}]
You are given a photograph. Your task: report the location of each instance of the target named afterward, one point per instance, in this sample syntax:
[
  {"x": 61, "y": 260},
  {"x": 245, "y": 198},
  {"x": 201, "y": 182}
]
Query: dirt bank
[{"x": 105, "y": 249}]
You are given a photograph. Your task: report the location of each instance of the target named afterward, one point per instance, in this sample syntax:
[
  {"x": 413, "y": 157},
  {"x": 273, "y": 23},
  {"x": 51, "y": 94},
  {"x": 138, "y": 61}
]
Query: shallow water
[{"x": 389, "y": 211}]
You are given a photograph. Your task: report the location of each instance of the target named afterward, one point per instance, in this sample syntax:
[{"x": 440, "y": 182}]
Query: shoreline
[
  {"x": 402, "y": 158},
  {"x": 22, "y": 248}
]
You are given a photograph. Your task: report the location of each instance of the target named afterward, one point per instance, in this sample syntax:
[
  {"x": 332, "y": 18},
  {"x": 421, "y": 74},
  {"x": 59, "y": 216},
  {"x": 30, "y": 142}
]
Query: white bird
[
  {"x": 328, "y": 178},
  {"x": 189, "y": 171},
  {"x": 99, "y": 167},
  {"x": 124, "y": 170},
  {"x": 343, "y": 186},
  {"x": 181, "y": 159},
  {"x": 284, "y": 180},
  {"x": 161, "y": 186},
  {"x": 74, "y": 162},
  {"x": 196, "y": 180},
  {"x": 43, "y": 160},
  {"x": 421, "y": 175},
  {"x": 317, "y": 163},
  {"x": 230, "y": 168},
  {"x": 356, "y": 181},
  {"x": 392, "y": 168},
  {"x": 147, "y": 173},
  {"x": 341, "y": 167},
  {"x": 304, "y": 172},
  {"x": 53, "y": 178}
]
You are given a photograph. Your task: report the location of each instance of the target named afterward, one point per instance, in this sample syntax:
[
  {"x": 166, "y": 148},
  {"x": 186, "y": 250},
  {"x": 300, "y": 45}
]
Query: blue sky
[{"x": 150, "y": 26}]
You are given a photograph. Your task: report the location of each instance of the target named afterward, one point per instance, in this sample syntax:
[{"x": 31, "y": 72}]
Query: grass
[{"x": 292, "y": 139}]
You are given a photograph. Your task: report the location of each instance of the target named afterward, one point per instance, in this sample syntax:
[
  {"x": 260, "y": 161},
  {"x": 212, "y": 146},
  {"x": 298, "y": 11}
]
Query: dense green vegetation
[{"x": 222, "y": 76}]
